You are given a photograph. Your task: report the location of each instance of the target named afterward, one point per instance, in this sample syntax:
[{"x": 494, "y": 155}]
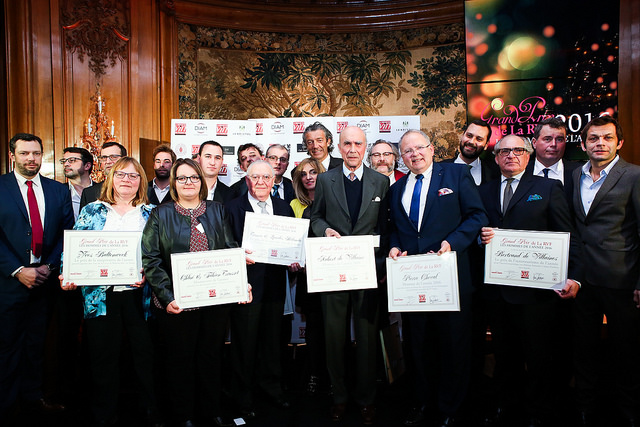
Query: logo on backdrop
[
  {"x": 385, "y": 126},
  {"x": 298, "y": 127},
  {"x": 181, "y": 129},
  {"x": 222, "y": 129}
]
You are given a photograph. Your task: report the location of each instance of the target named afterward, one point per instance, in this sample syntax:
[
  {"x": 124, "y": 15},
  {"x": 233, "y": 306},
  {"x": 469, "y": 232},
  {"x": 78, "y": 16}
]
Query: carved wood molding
[
  {"x": 99, "y": 29},
  {"x": 318, "y": 16}
]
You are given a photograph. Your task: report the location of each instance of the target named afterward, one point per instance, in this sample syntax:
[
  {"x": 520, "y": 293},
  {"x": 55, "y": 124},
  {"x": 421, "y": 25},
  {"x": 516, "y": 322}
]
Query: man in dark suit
[
  {"x": 319, "y": 142},
  {"x": 347, "y": 202},
  {"x": 524, "y": 320},
  {"x": 110, "y": 153},
  {"x": 549, "y": 142},
  {"x": 606, "y": 202},
  {"x": 77, "y": 165},
  {"x": 33, "y": 215},
  {"x": 473, "y": 142},
  {"x": 163, "y": 160},
  {"x": 436, "y": 208},
  {"x": 278, "y": 158},
  {"x": 211, "y": 158},
  {"x": 383, "y": 157},
  {"x": 255, "y": 327},
  {"x": 247, "y": 154}
]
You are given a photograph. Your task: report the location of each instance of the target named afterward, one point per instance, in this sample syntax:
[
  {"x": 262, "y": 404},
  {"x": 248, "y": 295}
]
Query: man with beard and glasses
[
  {"x": 77, "y": 164},
  {"x": 163, "y": 159},
  {"x": 383, "y": 158},
  {"x": 33, "y": 215},
  {"x": 473, "y": 142}
]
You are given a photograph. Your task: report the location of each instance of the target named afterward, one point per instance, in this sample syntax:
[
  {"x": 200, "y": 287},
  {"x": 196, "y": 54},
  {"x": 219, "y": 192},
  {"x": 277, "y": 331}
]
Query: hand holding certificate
[
  {"x": 209, "y": 278},
  {"x": 275, "y": 239},
  {"x": 94, "y": 257},
  {"x": 426, "y": 282},
  {"x": 532, "y": 259}
]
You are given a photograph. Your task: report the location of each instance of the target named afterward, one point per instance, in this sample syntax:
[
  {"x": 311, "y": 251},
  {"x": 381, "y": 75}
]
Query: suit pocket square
[
  {"x": 444, "y": 191},
  {"x": 377, "y": 199},
  {"x": 533, "y": 197}
]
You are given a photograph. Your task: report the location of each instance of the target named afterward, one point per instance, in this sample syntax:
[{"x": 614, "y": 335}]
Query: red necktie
[{"x": 36, "y": 223}]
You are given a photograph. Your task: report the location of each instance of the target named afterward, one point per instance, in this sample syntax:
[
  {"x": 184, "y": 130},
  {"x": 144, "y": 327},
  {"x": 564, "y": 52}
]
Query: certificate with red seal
[
  {"x": 532, "y": 259},
  {"x": 427, "y": 282},
  {"x": 208, "y": 278},
  {"x": 340, "y": 264},
  {"x": 97, "y": 257},
  {"x": 275, "y": 239}
]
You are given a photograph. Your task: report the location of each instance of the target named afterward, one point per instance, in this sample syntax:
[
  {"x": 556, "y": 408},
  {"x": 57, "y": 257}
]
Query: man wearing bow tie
[
  {"x": 524, "y": 320},
  {"x": 347, "y": 202},
  {"x": 436, "y": 208}
]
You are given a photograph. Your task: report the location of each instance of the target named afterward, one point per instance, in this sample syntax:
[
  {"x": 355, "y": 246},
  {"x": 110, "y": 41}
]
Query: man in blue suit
[
  {"x": 33, "y": 214},
  {"x": 436, "y": 208}
]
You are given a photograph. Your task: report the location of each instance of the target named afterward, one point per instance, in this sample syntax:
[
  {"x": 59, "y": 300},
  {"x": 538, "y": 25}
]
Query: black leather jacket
[{"x": 167, "y": 232}]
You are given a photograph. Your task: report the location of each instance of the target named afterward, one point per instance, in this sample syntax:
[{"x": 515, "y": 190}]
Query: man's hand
[
  {"x": 173, "y": 308},
  {"x": 250, "y": 295},
  {"x": 68, "y": 286},
  {"x": 395, "y": 253},
  {"x": 294, "y": 267},
  {"x": 330, "y": 232},
  {"x": 249, "y": 260},
  {"x": 33, "y": 277},
  {"x": 444, "y": 247},
  {"x": 486, "y": 235},
  {"x": 570, "y": 290}
]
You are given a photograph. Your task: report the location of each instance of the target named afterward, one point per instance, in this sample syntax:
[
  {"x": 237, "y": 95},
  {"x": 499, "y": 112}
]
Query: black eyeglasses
[
  {"x": 69, "y": 160},
  {"x": 183, "y": 179},
  {"x": 276, "y": 158},
  {"x": 517, "y": 151}
]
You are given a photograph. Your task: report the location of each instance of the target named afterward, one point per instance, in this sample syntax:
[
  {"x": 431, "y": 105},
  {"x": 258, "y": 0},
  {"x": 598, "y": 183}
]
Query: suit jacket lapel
[
  {"x": 578, "y": 208},
  {"x": 368, "y": 190},
  {"x": 14, "y": 191},
  {"x": 523, "y": 188},
  {"x": 612, "y": 179},
  {"x": 339, "y": 193},
  {"x": 434, "y": 186}
]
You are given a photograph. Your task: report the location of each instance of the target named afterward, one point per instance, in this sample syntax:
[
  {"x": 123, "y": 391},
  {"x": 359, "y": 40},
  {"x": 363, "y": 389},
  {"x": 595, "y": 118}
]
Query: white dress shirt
[
  {"x": 556, "y": 170},
  {"x": 39, "y": 193},
  {"x": 475, "y": 169},
  {"x": 408, "y": 193}
]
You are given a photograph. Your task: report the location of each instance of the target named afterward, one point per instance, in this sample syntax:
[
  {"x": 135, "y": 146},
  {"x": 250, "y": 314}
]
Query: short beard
[
  {"x": 25, "y": 172},
  {"x": 162, "y": 173}
]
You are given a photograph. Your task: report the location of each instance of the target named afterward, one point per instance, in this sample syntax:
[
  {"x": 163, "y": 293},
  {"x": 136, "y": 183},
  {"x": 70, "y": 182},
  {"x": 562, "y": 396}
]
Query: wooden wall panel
[{"x": 629, "y": 79}]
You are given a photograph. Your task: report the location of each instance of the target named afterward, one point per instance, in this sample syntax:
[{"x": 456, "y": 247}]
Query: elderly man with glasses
[{"x": 383, "y": 157}]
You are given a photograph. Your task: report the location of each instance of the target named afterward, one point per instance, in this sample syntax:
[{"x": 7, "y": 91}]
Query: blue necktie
[
  {"x": 275, "y": 191},
  {"x": 414, "y": 210}
]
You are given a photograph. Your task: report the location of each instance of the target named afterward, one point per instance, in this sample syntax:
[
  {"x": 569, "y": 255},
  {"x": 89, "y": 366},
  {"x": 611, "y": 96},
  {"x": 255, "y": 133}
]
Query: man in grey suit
[
  {"x": 606, "y": 201},
  {"x": 347, "y": 202}
]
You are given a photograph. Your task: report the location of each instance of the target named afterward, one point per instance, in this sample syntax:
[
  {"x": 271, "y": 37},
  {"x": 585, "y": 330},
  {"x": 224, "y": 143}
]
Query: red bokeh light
[
  {"x": 481, "y": 49},
  {"x": 492, "y": 28},
  {"x": 558, "y": 100},
  {"x": 595, "y": 47},
  {"x": 548, "y": 31}
]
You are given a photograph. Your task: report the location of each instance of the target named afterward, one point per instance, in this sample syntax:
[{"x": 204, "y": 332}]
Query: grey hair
[
  {"x": 527, "y": 143},
  {"x": 394, "y": 149},
  {"x": 419, "y": 132},
  {"x": 260, "y": 162}
]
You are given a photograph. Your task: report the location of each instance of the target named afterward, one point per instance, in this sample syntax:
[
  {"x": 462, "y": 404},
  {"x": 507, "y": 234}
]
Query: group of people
[{"x": 541, "y": 339}]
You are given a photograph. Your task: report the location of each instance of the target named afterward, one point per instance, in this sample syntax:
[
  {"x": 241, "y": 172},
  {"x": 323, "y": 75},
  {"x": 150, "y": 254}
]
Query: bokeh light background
[{"x": 558, "y": 57}]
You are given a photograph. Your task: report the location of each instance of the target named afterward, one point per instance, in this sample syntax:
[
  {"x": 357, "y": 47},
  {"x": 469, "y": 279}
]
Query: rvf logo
[
  {"x": 298, "y": 127},
  {"x": 104, "y": 272},
  {"x": 195, "y": 149},
  {"x": 422, "y": 298},
  {"x": 212, "y": 293},
  {"x": 274, "y": 253},
  {"x": 385, "y": 126},
  {"x": 341, "y": 126},
  {"x": 222, "y": 129},
  {"x": 259, "y": 128},
  {"x": 223, "y": 170},
  {"x": 343, "y": 278},
  {"x": 181, "y": 129},
  {"x": 524, "y": 274}
]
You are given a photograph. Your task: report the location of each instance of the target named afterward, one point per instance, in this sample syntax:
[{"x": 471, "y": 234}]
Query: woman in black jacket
[{"x": 193, "y": 339}]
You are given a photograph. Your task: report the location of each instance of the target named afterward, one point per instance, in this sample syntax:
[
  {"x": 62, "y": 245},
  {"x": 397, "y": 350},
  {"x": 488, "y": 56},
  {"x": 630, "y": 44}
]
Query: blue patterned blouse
[{"x": 93, "y": 217}]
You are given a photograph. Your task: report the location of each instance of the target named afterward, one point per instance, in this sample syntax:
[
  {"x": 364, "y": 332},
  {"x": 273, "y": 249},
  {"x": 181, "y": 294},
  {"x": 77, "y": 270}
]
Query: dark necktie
[
  {"x": 508, "y": 194},
  {"x": 545, "y": 171},
  {"x": 275, "y": 191},
  {"x": 414, "y": 210},
  {"x": 352, "y": 176},
  {"x": 36, "y": 223}
]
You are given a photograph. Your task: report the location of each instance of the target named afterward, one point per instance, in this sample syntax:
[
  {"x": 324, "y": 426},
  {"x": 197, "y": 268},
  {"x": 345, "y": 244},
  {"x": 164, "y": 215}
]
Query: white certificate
[
  {"x": 340, "y": 264},
  {"x": 275, "y": 239},
  {"x": 423, "y": 283},
  {"x": 96, "y": 257},
  {"x": 209, "y": 277},
  {"x": 532, "y": 259}
]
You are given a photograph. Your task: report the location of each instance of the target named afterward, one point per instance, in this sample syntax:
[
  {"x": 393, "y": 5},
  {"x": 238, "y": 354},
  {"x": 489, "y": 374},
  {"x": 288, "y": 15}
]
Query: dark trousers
[
  {"x": 523, "y": 337},
  {"x": 623, "y": 332},
  {"x": 365, "y": 319},
  {"x": 192, "y": 343},
  {"x": 22, "y": 333},
  {"x": 440, "y": 346},
  {"x": 255, "y": 350},
  {"x": 104, "y": 341}
]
